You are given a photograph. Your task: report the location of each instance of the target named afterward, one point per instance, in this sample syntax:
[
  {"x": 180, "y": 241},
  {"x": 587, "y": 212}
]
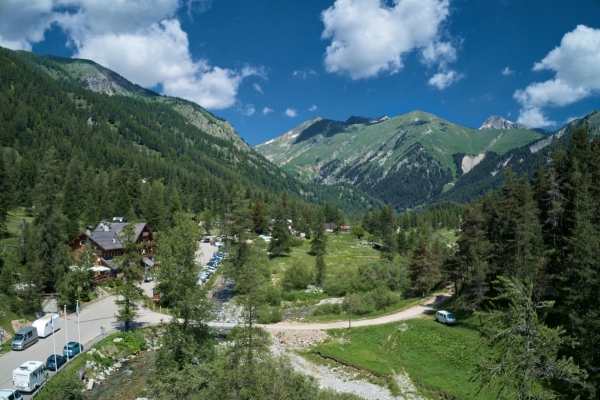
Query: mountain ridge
[{"x": 407, "y": 160}]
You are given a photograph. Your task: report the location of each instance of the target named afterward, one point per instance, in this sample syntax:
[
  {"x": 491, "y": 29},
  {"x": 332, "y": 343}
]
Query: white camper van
[
  {"x": 44, "y": 325},
  {"x": 30, "y": 376}
]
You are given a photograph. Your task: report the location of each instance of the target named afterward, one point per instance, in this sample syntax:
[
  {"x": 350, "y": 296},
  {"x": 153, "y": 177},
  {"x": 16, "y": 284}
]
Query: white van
[
  {"x": 44, "y": 325},
  {"x": 30, "y": 376},
  {"x": 10, "y": 394},
  {"x": 445, "y": 317}
]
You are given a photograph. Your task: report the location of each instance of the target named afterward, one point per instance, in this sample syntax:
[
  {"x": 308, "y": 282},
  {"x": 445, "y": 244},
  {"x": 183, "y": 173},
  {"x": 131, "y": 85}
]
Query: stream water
[{"x": 129, "y": 383}]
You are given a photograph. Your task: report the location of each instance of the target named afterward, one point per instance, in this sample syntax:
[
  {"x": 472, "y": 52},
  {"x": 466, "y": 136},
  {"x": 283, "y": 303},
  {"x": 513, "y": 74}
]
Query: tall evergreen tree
[
  {"x": 50, "y": 223},
  {"x": 258, "y": 217},
  {"x": 129, "y": 262},
  {"x": 70, "y": 209},
  {"x": 424, "y": 269},
  {"x": 524, "y": 361},
  {"x": 5, "y": 191},
  {"x": 281, "y": 236}
]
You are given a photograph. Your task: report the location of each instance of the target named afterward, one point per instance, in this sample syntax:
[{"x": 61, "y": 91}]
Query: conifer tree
[
  {"x": 524, "y": 361},
  {"x": 129, "y": 262},
  {"x": 281, "y": 236},
  {"x": 4, "y": 195},
  {"x": 258, "y": 218},
  {"x": 186, "y": 339},
  {"x": 70, "y": 209},
  {"x": 53, "y": 252},
  {"x": 424, "y": 269}
]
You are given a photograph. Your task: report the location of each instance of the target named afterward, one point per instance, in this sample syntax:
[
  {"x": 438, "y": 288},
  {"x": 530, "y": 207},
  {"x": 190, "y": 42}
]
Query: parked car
[
  {"x": 24, "y": 338},
  {"x": 10, "y": 394},
  {"x": 206, "y": 240},
  {"x": 71, "y": 349},
  {"x": 55, "y": 361},
  {"x": 445, "y": 317}
]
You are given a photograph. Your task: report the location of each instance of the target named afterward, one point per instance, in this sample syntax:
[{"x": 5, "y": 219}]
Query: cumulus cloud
[
  {"x": 267, "y": 110},
  {"x": 442, "y": 80},
  {"x": 369, "y": 37},
  {"x": 507, "y": 71},
  {"x": 23, "y": 23},
  {"x": 140, "y": 39},
  {"x": 312, "y": 108},
  {"x": 576, "y": 76},
  {"x": 290, "y": 112}
]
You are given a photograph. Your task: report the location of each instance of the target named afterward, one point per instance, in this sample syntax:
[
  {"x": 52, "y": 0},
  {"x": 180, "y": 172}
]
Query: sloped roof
[{"x": 107, "y": 234}]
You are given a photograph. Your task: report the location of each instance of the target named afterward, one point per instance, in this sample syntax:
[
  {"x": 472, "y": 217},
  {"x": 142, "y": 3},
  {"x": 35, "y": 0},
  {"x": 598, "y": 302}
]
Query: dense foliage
[{"x": 546, "y": 232}]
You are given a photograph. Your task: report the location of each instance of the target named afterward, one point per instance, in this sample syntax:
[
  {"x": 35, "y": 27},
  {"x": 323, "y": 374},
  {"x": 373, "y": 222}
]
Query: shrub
[
  {"x": 337, "y": 286},
  {"x": 296, "y": 276},
  {"x": 296, "y": 241},
  {"x": 384, "y": 298},
  {"x": 289, "y": 296},
  {"x": 358, "y": 303},
  {"x": 270, "y": 315},
  {"x": 272, "y": 295},
  {"x": 327, "y": 308}
]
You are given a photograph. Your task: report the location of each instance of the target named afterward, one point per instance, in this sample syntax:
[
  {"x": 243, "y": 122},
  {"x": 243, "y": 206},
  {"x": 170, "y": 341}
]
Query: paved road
[{"x": 100, "y": 313}]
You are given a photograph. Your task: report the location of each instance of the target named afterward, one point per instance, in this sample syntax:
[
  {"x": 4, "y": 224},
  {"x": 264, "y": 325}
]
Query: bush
[
  {"x": 358, "y": 303},
  {"x": 272, "y": 295},
  {"x": 131, "y": 341},
  {"x": 327, "y": 309},
  {"x": 289, "y": 296},
  {"x": 384, "y": 298},
  {"x": 297, "y": 276},
  {"x": 270, "y": 315},
  {"x": 337, "y": 286},
  {"x": 296, "y": 241}
]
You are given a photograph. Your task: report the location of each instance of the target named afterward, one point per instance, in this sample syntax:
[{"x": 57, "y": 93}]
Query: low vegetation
[{"x": 437, "y": 358}]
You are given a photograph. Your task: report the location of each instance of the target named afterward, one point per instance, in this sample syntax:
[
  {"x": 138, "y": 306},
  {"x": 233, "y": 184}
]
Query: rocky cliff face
[{"x": 496, "y": 122}]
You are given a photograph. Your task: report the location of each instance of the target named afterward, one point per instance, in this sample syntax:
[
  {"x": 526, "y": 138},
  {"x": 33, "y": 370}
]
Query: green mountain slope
[
  {"x": 488, "y": 174},
  {"x": 99, "y": 138},
  {"x": 406, "y": 160},
  {"x": 95, "y": 77}
]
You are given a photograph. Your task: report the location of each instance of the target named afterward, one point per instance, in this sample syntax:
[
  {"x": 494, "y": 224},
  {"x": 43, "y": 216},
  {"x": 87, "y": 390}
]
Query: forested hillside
[{"x": 113, "y": 149}]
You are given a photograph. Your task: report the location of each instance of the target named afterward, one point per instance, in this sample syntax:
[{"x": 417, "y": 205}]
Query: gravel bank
[{"x": 340, "y": 379}]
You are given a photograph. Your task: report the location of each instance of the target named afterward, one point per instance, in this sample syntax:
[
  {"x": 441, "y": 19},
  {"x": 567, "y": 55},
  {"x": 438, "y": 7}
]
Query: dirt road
[{"x": 427, "y": 306}]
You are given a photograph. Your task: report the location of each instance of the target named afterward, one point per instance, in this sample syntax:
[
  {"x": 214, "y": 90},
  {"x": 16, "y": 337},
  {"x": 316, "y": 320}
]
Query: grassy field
[
  {"x": 15, "y": 217},
  {"x": 439, "y": 359},
  {"x": 343, "y": 255}
]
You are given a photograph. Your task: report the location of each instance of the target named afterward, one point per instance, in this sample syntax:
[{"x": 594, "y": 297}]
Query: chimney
[{"x": 88, "y": 230}]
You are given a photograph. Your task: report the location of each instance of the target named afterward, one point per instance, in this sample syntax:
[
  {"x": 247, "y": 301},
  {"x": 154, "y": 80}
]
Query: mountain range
[{"x": 410, "y": 160}]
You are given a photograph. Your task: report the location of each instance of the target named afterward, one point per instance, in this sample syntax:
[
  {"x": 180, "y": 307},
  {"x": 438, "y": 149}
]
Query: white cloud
[
  {"x": 290, "y": 112},
  {"x": 577, "y": 76},
  {"x": 534, "y": 117},
  {"x": 304, "y": 73},
  {"x": 24, "y": 22},
  {"x": 442, "y": 80},
  {"x": 250, "y": 110},
  {"x": 368, "y": 37},
  {"x": 257, "y": 88},
  {"x": 312, "y": 108},
  {"x": 139, "y": 39},
  {"x": 507, "y": 71},
  {"x": 267, "y": 110}
]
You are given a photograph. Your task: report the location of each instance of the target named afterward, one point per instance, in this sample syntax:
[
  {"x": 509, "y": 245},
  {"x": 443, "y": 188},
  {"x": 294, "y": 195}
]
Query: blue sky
[{"x": 266, "y": 66}]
